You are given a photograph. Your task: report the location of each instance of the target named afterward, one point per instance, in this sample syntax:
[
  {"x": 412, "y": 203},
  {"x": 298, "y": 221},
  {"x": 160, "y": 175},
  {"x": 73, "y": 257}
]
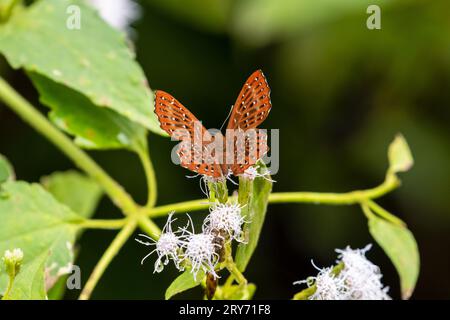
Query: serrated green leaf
[
  {"x": 6, "y": 170},
  {"x": 401, "y": 247},
  {"x": 45, "y": 230},
  {"x": 76, "y": 190},
  {"x": 94, "y": 60},
  {"x": 255, "y": 197},
  {"x": 399, "y": 154},
  {"x": 93, "y": 127},
  {"x": 183, "y": 282}
]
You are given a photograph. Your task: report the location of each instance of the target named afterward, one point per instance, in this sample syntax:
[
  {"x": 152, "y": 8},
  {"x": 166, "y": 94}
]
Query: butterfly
[{"x": 215, "y": 155}]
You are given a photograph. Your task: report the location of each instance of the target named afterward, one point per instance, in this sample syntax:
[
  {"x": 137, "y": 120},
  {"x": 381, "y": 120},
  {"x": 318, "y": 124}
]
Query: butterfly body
[{"x": 216, "y": 155}]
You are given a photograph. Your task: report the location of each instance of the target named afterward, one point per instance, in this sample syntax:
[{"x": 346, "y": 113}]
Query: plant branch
[
  {"x": 11, "y": 279},
  {"x": 147, "y": 164},
  {"x": 148, "y": 226},
  {"x": 109, "y": 224},
  {"x": 354, "y": 197},
  {"x": 39, "y": 122},
  {"x": 107, "y": 257},
  {"x": 347, "y": 198},
  {"x": 234, "y": 271},
  {"x": 385, "y": 214}
]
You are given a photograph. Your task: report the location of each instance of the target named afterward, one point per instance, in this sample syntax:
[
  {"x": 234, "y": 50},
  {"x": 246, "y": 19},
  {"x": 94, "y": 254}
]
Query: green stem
[
  {"x": 180, "y": 207},
  {"x": 6, "y": 10},
  {"x": 366, "y": 210},
  {"x": 348, "y": 198},
  {"x": 233, "y": 269},
  {"x": 149, "y": 227},
  {"x": 40, "y": 123},
  {"x": 109, "y": 224},
  {"x": 147, "y": 164},
  {"x": 10, "y": 284},
  {"x": 385, "y": 214},
  {"x": 107, "y": 257}
]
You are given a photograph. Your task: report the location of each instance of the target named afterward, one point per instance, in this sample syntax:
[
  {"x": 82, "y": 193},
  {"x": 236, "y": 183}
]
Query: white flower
[
  {"x": 362, "y": 277},
  {"x": 167, "y": 246},
  {"x": 359, "y": 279},
  {"x": 328, "y": 286},
  {"x": 118, "y": 13},
  {"x": 252, "y": 172},
  {"x": 226, "y": 217},
  {"x": 13, "y": 261},
  {"x": 14, "y": 256},
  {"x": 200, "y": 250}
]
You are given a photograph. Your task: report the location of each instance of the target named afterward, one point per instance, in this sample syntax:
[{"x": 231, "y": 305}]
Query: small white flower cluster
[
  {"x": 13, "y": 261},
  {"x": 252, "y": 172},
  {"x": 200, "y": 250},
  {"x": 359, "y": 279},
  {"x": 361, "y": 276},
  {"x": 13, "y": 256},
  {"x": 226, "y": 217}
]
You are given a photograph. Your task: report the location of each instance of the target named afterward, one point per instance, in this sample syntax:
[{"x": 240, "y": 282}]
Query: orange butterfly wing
[
  {"x": 181, "y": 124},
  {"x": 253, "y": 103},
  {"x": 251, "y": 108}
]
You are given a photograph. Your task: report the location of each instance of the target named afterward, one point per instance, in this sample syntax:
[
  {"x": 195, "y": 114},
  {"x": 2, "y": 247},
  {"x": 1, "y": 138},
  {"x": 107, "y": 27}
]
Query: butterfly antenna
[{"x": 229, "y": 114}]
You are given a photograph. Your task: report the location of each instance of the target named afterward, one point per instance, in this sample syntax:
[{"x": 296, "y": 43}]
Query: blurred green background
[{"x": 340, "y": 93}]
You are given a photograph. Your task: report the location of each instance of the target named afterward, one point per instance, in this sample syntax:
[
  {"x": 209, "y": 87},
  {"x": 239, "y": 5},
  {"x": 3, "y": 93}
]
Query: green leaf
[
  {"x": 254, "y": 197},
  {"x": 76, "y": 190},
  {"x": 6, "y": 170},
  {"x": 59, "y": 289},
  {"x": 183, "y": 282},
  {"x": 401, "y": 247},
  {"x": 93, "y": 127},
  {"x": 399, "y": 154},
  {"x": 45, "y": 230},
  {"x": 81, "y": 194},
  {"x": 94, "y": 60}
]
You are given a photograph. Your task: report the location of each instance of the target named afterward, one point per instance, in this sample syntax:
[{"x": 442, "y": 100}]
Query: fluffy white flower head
[
  {"x": 362, "y": 278},
  {"x": 13, "y": 261},
  {"x": 13, "y": 256},
  {"x": 200, "y": 250},
  {"x": 328, "y": 285},
  {"x": 252, "y": 172},
  {"x": 359, "y": 279},
  {"x": 167, "y": 246},
  {"x": 118, "y": 13},
  {"x": 226, "y": 217}
]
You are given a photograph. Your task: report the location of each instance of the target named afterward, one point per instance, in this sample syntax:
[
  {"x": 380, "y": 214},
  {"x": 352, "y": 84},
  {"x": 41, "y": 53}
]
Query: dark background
[{"x": 340, "y": 93}]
